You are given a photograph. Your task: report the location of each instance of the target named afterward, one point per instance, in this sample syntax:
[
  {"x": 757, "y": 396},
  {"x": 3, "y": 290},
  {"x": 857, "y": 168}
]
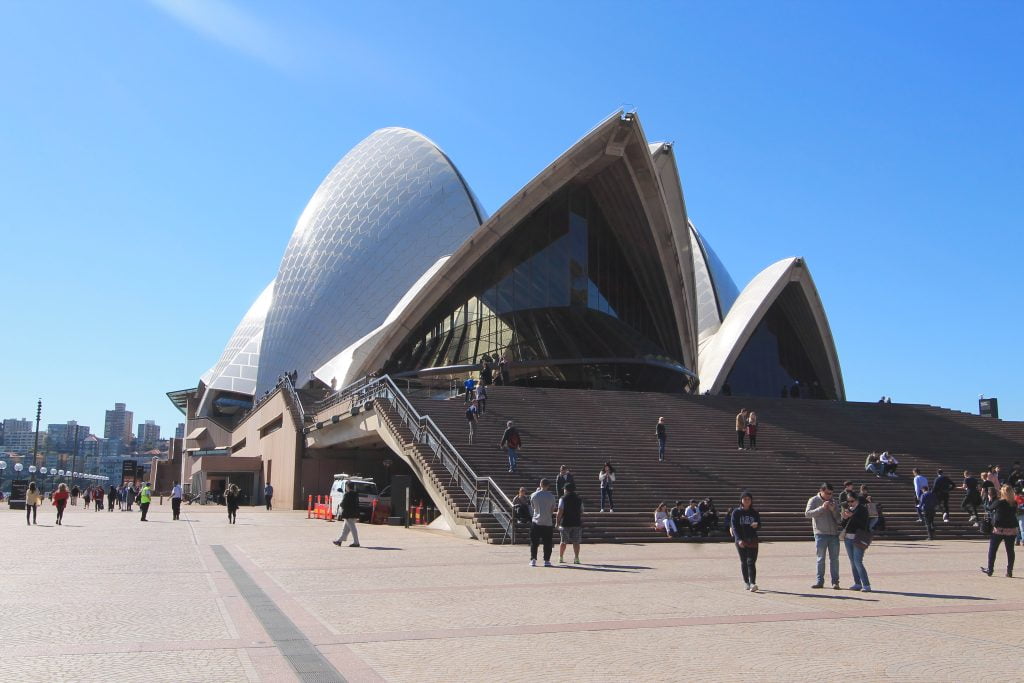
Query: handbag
[
  {"x": 862, "y": 539},
  {"x": 986, "y": 526},
  {"x": 748, "y": 544}
]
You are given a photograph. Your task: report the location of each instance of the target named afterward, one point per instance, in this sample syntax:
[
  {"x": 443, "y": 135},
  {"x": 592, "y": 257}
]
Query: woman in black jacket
[
  {"x": 744, "y": 522},
  {"x": 858, "y": 536},
  {"x": 1003, "y": 515}
]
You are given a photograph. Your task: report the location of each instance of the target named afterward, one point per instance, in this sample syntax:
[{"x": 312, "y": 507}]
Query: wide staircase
[{"x": 800, "y": 444}]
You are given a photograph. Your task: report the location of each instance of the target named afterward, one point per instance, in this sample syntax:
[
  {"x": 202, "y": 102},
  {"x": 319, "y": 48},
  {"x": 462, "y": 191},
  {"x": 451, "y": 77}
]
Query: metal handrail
[
  {"x": 298, "y": 412},
  {"x": 483, "y": 492}
]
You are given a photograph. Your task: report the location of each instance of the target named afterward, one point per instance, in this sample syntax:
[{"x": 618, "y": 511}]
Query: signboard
[
  {"x": 129, "y": 470},
  {"x": 988, "y": 407},
  {"x": 18, "y": 489}
]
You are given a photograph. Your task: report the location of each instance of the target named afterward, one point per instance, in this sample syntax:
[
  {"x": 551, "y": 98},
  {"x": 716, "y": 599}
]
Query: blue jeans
[
  {"x": 606, "y": 494},
  {"x": 860, "y": 575},
  {"x": 661, "y": 448},
  {"x": 513, "y": 457},
  {"x": 827, "y": 543}
]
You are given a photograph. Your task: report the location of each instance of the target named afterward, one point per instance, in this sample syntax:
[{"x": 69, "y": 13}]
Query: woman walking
[
  {"x": 607, "y": 479},
  {"x": 660, "y": 432},
  {"x": 231, "y": 496},
  {"x": 1003, "y": 517},
  {"x": 60, "y": 500},
  {"x": 744, "y": 522},
  {"x": 32, "y": 500},
  {"x": 752, "y": 430},
  {"x": 663, "y": 521},
  {"x": 858, "y": 538}
]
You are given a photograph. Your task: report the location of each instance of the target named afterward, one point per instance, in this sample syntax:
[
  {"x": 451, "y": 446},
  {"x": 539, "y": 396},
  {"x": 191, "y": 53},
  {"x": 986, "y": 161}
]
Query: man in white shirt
[
  {"x": 889, "y": 464},
  {"x": 692, "y": 513},
  {"x": 176, "y": 499}
]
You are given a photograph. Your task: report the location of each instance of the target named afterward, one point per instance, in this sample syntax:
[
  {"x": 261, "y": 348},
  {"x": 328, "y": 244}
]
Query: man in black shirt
[
  {"x": 972, "y": 497},
  {"x": 847, "y": 493},
  {"x": 941, "y": 488},
  {"x": 564, "y": 477},
  {"x": 569, "y": 521}
]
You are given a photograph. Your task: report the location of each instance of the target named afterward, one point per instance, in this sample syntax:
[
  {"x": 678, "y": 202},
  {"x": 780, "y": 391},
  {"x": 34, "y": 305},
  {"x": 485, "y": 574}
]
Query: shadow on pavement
[
  {"x": 379, "y": 547},
  {"x": 931, "y": 595},
  {"x": 594, "y": 568},
  {"x": 836, "y": 595},
  {"x": 607, "y": 567}
]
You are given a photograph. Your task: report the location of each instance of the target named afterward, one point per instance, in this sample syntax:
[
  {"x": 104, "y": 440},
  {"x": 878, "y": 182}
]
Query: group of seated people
[
  {"x": 699, "y": 518},
  {"x": 883, "y": 465}
]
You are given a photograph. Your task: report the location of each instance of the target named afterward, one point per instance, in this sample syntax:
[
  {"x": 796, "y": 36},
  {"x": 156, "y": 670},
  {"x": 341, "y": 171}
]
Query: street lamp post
[
  {"x": 35, "y": 447},
  {"x": 3, "y": 471},
  {"x": 74, "y": 457}
]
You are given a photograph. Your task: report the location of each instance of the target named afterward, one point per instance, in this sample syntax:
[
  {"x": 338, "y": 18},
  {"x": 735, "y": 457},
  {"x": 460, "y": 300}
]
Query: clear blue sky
[{"x": 154, "y": 156}]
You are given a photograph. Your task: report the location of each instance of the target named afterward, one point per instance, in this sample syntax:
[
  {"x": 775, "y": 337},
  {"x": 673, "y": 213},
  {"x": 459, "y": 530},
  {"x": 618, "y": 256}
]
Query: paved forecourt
[{"x": 271, "y": 599}]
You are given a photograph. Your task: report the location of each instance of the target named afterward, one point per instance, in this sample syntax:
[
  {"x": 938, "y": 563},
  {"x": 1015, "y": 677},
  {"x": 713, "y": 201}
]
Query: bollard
[{"x": 309, "y": 507}]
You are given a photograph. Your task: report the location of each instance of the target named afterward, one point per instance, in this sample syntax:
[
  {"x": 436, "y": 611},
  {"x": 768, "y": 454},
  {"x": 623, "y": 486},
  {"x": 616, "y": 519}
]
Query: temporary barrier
[{"x": 309, "y": 508}]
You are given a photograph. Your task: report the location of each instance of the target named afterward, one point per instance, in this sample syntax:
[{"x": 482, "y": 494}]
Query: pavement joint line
[
  {"x": 667, "y": 622},
  {"x": 307, "y": 662}
]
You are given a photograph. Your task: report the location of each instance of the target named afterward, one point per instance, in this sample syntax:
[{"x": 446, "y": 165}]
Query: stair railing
[
  {"x": 485, "y": 496},
  {"x": 294, "y": 404}
]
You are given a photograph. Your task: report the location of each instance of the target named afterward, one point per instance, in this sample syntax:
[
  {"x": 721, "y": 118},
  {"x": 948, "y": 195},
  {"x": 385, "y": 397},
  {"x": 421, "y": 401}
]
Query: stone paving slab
[{"x": 106, "y": 593}]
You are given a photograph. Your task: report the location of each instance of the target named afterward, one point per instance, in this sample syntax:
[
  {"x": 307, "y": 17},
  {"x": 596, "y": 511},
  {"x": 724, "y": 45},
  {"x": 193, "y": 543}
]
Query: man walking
[
  {"x": 543, "y": 503},
  {"x": 349, "y": 513},
  {"x": 741, "y": 429},
  {"x": 659, "y": 431},
  {"x": 941, "y": 488},
  {"x": 570, "y": 522},
  {"x": 145, "y": 497},
  {"x": 510, "y": 439},
  {"x": 481, "y": 397},
  {"x": 926, "y": 505},
  {"x": 972, "y": 497},
  {"x": 268, "y": 494},
  {"x": 823, "y": 512},
  {"x": 920, "y": 483},
  {"x": 564, "y": 478},
  {"x": 176, "y": 500},
  {"x": 471, "y": 418}
]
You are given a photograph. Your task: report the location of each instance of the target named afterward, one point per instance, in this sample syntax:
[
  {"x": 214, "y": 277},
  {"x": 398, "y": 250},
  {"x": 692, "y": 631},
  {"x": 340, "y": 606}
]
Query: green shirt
[{"x": 145, "y": 494}]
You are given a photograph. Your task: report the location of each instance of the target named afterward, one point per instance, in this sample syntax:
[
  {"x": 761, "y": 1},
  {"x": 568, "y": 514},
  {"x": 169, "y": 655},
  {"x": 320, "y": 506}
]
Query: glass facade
[
  {"x": 559, "y": 298},
  {"x": 777, "y": 357}
]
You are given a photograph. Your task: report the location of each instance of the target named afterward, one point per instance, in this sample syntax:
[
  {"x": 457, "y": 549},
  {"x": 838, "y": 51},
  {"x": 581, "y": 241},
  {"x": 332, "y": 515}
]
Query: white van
[{"x": 365, "y": 487}]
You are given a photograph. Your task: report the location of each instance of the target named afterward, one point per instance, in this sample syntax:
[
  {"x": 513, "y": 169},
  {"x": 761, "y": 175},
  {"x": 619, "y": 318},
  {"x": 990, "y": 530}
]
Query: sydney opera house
[{"x": 590, "y": 276}]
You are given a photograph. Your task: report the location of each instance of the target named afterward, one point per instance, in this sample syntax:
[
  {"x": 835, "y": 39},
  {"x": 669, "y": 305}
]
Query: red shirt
[{"x": 59, "y": 496}]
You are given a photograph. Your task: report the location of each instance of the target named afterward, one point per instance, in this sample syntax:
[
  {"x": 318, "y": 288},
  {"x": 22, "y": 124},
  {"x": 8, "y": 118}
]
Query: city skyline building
[
  {"x": 117, "y": 424},
  {"x": 148, "y": 435},
  {"x": 61, "y": 436}
]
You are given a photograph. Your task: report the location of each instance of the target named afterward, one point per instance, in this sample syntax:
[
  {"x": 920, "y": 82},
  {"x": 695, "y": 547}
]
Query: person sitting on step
[
  {"x": 663, "y": 522},
  {"x": 679, "y": 517}
]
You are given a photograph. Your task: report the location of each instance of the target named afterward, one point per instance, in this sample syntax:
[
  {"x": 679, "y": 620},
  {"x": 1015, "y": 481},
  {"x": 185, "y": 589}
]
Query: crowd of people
[
  {"x": 123, "y": 497},
  {"x": 683, "y": 520}
]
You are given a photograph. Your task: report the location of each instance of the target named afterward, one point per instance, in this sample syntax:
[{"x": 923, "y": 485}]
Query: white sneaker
[
  {"x": 547, "y": 563},
  {"x": 533, "y": 563},
  {"x": 753, "y": 588}
]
